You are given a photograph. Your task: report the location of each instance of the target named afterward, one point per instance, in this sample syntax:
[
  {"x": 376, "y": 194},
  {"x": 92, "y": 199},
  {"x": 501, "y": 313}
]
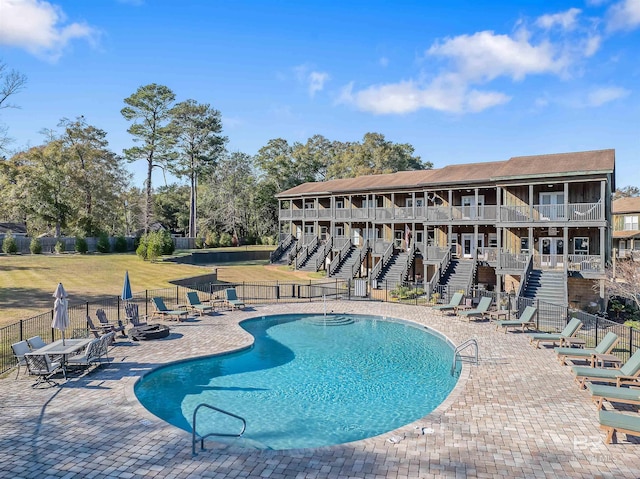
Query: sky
[{"x": 461, "y": 81}]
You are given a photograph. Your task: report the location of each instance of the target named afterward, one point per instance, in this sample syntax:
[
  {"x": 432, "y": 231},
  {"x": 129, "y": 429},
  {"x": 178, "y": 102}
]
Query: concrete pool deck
[{"x": 517, "y": 414}]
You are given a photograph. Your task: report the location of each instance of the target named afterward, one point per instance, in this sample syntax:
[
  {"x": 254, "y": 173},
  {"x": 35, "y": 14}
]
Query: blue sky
[{"x": 460, "y": 81}]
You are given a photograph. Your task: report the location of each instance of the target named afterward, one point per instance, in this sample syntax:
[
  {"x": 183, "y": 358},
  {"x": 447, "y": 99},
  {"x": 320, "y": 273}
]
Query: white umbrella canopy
[{"x": 60, "y": 311}]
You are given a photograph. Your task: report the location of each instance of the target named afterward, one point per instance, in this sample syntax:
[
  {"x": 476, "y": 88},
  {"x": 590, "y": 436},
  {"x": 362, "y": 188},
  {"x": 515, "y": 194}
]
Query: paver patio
[{"x": 517, "y": 414}]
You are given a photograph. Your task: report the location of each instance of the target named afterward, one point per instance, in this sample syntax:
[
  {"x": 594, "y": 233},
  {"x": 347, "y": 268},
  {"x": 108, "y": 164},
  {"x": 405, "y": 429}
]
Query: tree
[
  {"x": 171, "y": 207},
  {"x": 97, "y": 173},
  {"x": 626, "y": 192},
  {"x": 11, "y": 82},
  {"x": 197, "y": 129},
  {"x": 623, "y": 280},
  {"x": 149, "y": 109}
]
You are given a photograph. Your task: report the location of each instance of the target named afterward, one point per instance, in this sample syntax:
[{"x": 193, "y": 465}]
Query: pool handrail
[{"x": 218, "y": 434}]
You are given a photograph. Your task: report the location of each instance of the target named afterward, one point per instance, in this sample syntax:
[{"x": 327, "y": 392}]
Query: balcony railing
[
  {"x": 585, "y": 263},
  {"x": 572, "y": 212},
  {"x": 513, "y": 261}
]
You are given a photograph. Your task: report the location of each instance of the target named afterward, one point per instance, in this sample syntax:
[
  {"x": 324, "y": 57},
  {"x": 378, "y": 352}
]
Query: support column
[
  {"x": 531, "y": 201},
  {"x": 565, "y": 250},
  {"x": 602, "y": 249}
]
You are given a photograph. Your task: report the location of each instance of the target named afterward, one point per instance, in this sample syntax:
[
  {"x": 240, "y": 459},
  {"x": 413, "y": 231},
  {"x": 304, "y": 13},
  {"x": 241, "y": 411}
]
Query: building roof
[
  {"x": 625, "y": 234},
  {"x": 521, "y": 167},
  {"x": 626, "y": 205}
]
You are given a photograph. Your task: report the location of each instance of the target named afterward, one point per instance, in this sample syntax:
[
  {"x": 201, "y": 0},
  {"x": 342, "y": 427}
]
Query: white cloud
[
  {"x": 592, "y": 45},
  {"x": 39, "y": 27},
  {"x": 565, "y": 20},
  {"x": 624, "y": 15},
  {"x": 314, "y": 80},
  {"x": 600, "y": 96}
]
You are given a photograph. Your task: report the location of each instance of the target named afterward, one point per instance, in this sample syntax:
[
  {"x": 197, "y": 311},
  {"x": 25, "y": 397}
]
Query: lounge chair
[
  {"x": 604, "y": 347},
  {"x": 524, "y": 321},
  {"x": 479, "y": 311},
  {"x": 42, "y": 366},
  {"x": 629, "y": 373},
  {"x": 569, "y": 331},
  {"x": 89, "y": 356},
  {"x": 602, "y": 392},
  {"x": 133, "y": 316},
  {"x": 162, "y": 310},
  {"x": 455, "y": 301},
  {"x": 613, "y": 422},
  {"x": 108, "y": 326},
  {"x": 193, "y": 303},
  {"x": 232, "y": 299},
  {"x": 19, "y": 350}
]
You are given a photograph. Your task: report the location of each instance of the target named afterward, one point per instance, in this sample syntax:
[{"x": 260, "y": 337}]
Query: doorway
[
  {"x": 469, "y": 249},
  {"x": 551, "y": 252}
]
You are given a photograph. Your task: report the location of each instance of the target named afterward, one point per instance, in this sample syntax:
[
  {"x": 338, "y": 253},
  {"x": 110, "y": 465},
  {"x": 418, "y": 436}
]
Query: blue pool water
[{"x": 309, "y": 381}]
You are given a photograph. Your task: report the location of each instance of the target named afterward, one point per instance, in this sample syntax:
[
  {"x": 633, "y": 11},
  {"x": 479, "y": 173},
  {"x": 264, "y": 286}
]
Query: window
[
  {"x": 581, "y": 245},
  {"x": 630, "y": 223},
  {"x": 524, "y": 244},
  {"x": 493, "y": 240},
  {"x": 309, "y": 205},
  {"x": 308, "y": 229},
  {"x": 340, "y": 231},
  {"x": 339, "y": 204},
  {"x": 419, "y": 237}
]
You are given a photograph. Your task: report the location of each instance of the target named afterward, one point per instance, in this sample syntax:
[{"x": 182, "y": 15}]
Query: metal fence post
[
  {"x": 349, "y": 288},
  {"x": 538, "y": 315}
]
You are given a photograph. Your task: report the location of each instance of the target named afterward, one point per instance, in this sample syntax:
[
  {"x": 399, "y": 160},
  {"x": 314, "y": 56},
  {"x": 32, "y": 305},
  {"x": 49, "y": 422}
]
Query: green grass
[{"x": 27, "y": 282}]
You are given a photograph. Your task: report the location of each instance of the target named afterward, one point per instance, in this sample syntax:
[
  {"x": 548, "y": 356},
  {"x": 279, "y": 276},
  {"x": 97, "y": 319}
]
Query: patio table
[{"x": 69, "y": 347}]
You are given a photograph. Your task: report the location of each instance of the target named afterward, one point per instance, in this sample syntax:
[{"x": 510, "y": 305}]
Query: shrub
[
  {"x": 226, "y": 240},
  {"x": 59, "y": 247},
  {"x": 9, "y": 244},
  {"x": 141, "y": 250},
  {"x": 120, "y": 245},
  {"x": 35, "y": 246},
  {"x": 153, "y": 245},
  {"x": 632, "y": 324},
  {"x": 103, "y": 245},
  {"x": 81, "y": 245},
  {"x": 212, "y": 239},
  {"x": 200, "y": 243}
]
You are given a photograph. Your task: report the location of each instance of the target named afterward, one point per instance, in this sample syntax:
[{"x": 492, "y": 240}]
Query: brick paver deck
[{"x": 517, "y": 414}]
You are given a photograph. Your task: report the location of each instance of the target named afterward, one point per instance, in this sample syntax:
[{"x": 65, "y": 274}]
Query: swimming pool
[{"x": 309, "y": 381}]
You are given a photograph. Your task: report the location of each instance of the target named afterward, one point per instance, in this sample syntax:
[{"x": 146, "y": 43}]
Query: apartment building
[
  {"x": 626, "y": 231},
  {"x": 508, "y": 220}
]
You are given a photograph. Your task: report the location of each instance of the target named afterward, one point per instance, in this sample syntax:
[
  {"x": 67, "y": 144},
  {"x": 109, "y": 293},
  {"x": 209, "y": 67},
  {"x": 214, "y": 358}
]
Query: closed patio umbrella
[
  {"x": 126, "y": 288},
  {"x": 60, "y": 311}
]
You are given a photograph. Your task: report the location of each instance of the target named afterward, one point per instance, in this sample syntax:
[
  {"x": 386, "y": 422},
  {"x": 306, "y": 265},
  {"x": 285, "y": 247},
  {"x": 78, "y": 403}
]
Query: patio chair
[
  {"x": 133, "y": 316},
  {"x": 193, "y": 303},
  {"x": 103, "y": 346},
  {"x": 108, "y": 326},
  {"x": 19, "y": 350},
  {"x": 479, "y": 311},
  {"x": 232, "y": 298},
  {"x": 162, "y": 310},
  {"x": 524, "y": 321},
  {"x": 602, "y": 392},
  {"x": 36, "y": 343},
  {"x": 629, "y": 373},
  {"x": 89, "y": 356},
  {"x": 100, "y": 330},
  {"x": 42, "y": 366},
  {"x": 455, "y": 301},
  {"x": 613, "y": 422},
  {"x": 569, "y": 331},
  {"x": 603, "y": 347}
]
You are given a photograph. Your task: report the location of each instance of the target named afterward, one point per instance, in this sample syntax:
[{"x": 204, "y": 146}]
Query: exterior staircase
[
  {"x": 343, "y": 271},
  {"x": 390, "y": 274},
  {"x": 547, "y": 286},
  {"x": 457, "y": 276},
  {"x": 310, "y": 263},
  {"x": 281, "y": 254}
]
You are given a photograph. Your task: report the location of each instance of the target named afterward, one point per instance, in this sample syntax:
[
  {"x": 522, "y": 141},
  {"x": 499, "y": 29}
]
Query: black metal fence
[{"x": 550, "y": 317}]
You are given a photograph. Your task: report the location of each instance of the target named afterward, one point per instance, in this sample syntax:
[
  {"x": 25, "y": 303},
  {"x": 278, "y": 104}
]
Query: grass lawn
[{"x": 27, "y": 282}]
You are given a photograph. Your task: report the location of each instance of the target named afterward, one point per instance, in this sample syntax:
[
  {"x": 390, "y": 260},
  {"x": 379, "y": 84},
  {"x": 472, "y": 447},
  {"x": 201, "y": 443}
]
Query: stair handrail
[
  {"x": 217, "y": 434},
  {"x": 338, "y": 258},
  {"x": 361, "y": 256},
  {"x": 525, "y": 276},
  {"x": 472, "y": 275},
  {"x": 294, "y": 252},
  {"x": 410, "y": 257},
  {"x": 307, "y": 250},
  {"x": 386, "y": 256},
  {"x": 282, "y": 247},
  {"x": 326, "y": 249},
  {"x": 435, "y": 279}
]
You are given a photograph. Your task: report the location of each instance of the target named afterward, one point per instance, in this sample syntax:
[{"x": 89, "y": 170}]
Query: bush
[
  {"x": 35, "y": 246},
  {"x": 103, "y": 245},
  {"x": 212, "y": 239},
  {"x": 226, "y": 240},
  {"x": 9, "y": 244},
  {"x": 141, "y": 250},
  {"x": 59, "y": 247},
  {"x": 153, "y": 245},
  {"x": 120, "y": 245},
  {"x": 81, "y": 245},
  {"x": 200, "y": 243}
]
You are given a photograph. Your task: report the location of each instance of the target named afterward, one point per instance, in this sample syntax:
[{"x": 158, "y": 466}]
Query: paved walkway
[{"x": 517, "y": 414}]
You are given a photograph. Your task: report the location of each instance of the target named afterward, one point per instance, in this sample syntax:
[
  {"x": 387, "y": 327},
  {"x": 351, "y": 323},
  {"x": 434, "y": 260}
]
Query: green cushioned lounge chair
[
  {"x": 569, "y": 331},
  {"x": 160, "y": 309},
  {"x": 455, "y": 301},
  {"x": 629, "y": 373},
  {"x": 524, "y": 321},
  {"x": 479, "y": 311},
  {"x": 193, "y": 302},
  {"x": 232, "y": 298},
  {"x": 612, "y": 422},
  {"x": 604, "y": 347},
  {"x": 602, "y": 392}
]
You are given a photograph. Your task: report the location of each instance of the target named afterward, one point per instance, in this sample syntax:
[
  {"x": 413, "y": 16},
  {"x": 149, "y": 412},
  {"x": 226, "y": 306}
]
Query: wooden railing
[
  {"x": 282, "y": 247},
  {"x": 362, "y": 254},
  {"x": 336, "y": 260},
  {"x": 525, "y": 276},
  {"x": 326, "y": 249},
  {"x": 516, "y": 261},
  {"x": 591, "y": 263},
  {"x": 377, "y": 269},
  {"x": 307, "y": 250},
  {"x": 411, "y": 253}
]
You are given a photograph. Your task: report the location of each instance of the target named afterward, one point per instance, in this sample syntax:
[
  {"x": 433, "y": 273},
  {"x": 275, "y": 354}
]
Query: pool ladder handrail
[
  {"x": 461, "y": 347},
  {"x": 218, "y": 434}
]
